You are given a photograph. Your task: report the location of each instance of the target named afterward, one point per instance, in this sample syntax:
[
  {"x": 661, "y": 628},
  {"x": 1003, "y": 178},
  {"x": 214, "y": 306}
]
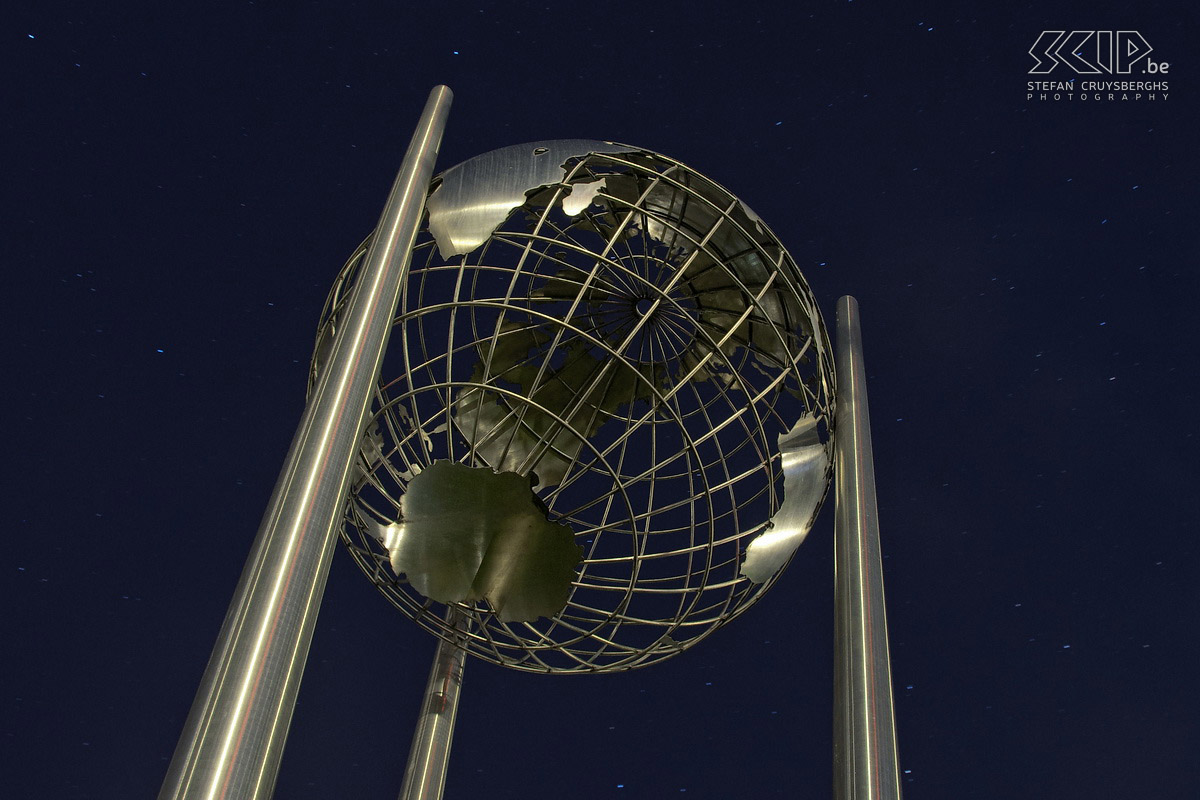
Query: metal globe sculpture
[{"x": 603, "y": 423}]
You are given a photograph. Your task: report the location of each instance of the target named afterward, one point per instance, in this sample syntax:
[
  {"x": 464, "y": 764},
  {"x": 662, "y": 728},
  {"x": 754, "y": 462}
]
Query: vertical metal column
[
  {"x": 233, "y": 739},
  {"x": 425, "y": 777},
  {"x": 865, "y": 766}
]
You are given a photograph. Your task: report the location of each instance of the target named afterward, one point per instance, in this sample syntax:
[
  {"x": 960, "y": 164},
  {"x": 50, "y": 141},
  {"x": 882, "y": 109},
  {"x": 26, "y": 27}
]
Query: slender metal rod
[
  {"x": 425, "y": 777},
  {"x": 233, "y": 739},
  {"x": 865, "y": 766}
]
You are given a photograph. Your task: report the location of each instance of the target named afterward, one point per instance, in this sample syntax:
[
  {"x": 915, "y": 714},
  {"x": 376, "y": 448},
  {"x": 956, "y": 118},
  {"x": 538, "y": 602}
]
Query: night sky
[{"x": 182, "y": 187}]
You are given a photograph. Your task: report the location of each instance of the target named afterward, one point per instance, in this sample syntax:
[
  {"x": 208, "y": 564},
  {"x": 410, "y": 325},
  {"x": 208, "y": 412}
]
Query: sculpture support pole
[
  {"x": 233, "y": 739},
  {"x": 425, "y": 777},
  {"x": 865, "y": 765}
]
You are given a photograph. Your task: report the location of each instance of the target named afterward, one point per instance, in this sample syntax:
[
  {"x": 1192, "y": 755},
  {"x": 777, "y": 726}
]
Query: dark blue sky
[{"x": 183, "y": 186}]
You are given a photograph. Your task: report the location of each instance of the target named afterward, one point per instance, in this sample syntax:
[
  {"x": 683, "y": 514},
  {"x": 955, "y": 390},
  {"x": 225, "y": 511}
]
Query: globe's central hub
[{"x": 643, "y": 310}]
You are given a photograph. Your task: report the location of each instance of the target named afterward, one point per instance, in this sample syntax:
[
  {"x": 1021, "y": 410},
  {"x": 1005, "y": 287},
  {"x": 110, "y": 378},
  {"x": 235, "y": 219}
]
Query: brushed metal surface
[
  {"x": 425, "y": 776},
  {"x": 233, "y": 739},
  {"x": 865, "y": 765},
  {"x": 465, "y": 534},
  {"x": 478, "y": 194},
  {"x": 804, "y": 458}
]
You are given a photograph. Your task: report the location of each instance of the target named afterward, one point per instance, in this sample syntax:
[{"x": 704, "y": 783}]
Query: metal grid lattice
[{"x": 638, "y": 360}]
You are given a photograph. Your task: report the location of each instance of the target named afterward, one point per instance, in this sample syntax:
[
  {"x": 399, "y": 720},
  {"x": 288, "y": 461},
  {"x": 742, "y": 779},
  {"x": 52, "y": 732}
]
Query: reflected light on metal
[
  {"x": 233, "y": 739},
  {"x": 805, "y": 462},
  {"x": 472, "y": 533},
  {"x": 475, "y": 196},
  {"x": 865, "y": 766},
  {"x": 425, "y": 777}
]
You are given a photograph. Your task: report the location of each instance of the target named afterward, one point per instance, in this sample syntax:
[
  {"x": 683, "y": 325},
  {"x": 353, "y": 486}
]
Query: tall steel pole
[
  {"x": 425, "y": 776},
  {"x": 233, "y": 738},
  {"x": 865, "y": 765}
]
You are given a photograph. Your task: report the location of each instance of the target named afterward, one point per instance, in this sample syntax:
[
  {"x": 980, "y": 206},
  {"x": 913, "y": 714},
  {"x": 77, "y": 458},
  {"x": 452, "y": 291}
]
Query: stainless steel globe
[{"x": 604, "y": 419}]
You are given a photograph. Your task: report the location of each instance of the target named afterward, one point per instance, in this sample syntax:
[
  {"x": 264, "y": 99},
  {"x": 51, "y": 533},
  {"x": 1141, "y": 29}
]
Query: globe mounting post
[
  {"x": 865, "y": 763},
  {"x": 233, "y": 738}
]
